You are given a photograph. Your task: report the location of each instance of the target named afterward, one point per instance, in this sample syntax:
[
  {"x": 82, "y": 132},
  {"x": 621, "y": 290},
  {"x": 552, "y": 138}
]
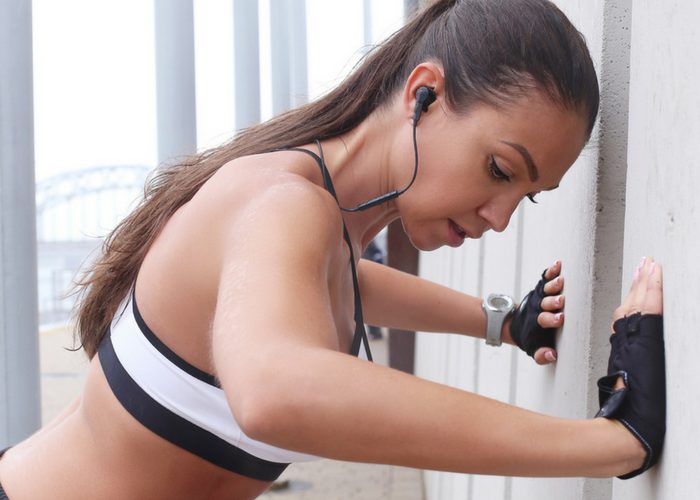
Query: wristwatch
[{"x": 497, "y": 308}]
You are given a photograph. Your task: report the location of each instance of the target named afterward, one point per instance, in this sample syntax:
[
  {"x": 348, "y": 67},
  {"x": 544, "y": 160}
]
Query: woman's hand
[
  {"x": 634, "y": 390},
  {"x": 552, "y": 315},
  {"x": 645, "y": 295},
  {"x": 539, "y": 315}
]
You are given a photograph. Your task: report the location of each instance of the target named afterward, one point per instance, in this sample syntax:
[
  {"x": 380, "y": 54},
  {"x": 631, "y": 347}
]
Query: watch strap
[
  {"x": 495, "y": 317},
  {"x": 494, "y": 327}
]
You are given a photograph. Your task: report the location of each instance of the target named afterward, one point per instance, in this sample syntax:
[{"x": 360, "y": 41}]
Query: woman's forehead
[{"x": 537, "y": 129}]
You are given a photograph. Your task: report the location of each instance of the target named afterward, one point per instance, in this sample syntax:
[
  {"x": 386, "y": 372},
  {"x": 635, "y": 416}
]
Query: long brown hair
[{"x": 489, "y": 51}]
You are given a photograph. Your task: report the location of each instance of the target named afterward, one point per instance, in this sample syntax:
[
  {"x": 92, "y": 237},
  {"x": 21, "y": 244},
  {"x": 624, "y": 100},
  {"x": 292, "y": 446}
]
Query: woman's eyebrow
[{"x": 531, "y": 167}]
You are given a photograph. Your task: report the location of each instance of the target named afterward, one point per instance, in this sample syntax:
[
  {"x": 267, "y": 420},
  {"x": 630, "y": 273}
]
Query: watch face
[{"x": 500, "y": 302}]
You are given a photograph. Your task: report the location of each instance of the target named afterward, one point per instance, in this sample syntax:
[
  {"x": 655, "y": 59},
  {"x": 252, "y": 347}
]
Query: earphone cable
[{"x": 387, "y": 196}]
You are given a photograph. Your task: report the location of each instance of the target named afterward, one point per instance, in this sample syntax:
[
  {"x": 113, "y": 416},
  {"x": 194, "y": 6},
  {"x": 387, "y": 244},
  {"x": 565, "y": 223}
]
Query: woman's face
[{"x": 475, "y": 168}]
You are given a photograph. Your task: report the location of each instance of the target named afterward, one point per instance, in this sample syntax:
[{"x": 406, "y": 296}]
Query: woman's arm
[
  {"x": 275, "y": 340},
  {"x": 332, "y": 405},
  {"x": 396, "y": 299}
]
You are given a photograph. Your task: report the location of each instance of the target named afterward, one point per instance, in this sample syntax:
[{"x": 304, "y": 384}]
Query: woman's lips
[{"x": 456, "y": 234}]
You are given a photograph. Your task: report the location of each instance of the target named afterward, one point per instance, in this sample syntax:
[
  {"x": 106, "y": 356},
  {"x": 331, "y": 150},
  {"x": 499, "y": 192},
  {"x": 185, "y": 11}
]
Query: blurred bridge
[{"x": 75, "y": 210}]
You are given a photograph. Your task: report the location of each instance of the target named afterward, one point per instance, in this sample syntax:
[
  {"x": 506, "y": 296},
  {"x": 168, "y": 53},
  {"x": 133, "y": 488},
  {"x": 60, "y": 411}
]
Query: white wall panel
[
  {"x": 582, "y": 224},
  {"x": 462, "y": 360},
  {"x": 638, "y": 179},
  {"x": 432, "y": 363},
  {"x": 662, "y": 220},
  {"x": 498, "y": 262}
]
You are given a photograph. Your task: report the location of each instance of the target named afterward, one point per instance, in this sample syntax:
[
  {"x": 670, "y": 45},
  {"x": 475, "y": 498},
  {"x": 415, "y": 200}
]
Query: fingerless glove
[
  {"x": 524, "y": 329},
  {"x": 637, "y": 355}
]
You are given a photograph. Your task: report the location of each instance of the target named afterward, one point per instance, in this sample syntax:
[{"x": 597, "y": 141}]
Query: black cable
[
  {"x": 387, "y": 196},
  {"x": 425, "y": 96}
]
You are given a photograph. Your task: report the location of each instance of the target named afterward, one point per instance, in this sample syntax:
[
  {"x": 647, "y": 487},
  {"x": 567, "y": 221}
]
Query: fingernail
[
  {"x": 556, "y": 263},
  {"x": 651, "y": 268},
  {"x": 558, "y": 316},
  {"x": 641, "y": 263},
  {"x": 558, "y": 301},
  {"x": 550, "y": 356}
]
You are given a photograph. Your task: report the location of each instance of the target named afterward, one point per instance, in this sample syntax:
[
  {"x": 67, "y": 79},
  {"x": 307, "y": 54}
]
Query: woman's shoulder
[
  {"x": 251, "y": 213},
  {"x": 270, "y": 179},
  {"x": 269, "y": 190}
]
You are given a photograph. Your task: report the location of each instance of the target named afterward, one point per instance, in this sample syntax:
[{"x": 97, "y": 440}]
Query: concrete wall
[
  {"x": 631, "y": 193},
  {"x": 662, "y": 219}
]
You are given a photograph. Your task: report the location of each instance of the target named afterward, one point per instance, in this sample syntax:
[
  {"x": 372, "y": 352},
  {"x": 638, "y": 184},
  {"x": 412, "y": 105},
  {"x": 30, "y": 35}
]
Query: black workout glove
[
  {"x": 524, "y": 329},
  {"x": 637, "y": 355}
]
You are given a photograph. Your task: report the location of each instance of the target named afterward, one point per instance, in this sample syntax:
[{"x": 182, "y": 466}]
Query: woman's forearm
[
  {"x": 386, "y": 416},
  {"x": 400, "y": 300}
]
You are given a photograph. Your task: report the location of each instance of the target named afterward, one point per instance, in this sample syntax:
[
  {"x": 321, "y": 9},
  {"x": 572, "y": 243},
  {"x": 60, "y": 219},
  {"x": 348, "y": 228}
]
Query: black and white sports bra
[{"x": 185, "y": 405}]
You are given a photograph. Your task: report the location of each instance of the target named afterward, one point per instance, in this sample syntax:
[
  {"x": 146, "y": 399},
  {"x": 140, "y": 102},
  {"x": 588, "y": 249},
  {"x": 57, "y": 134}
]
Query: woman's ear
[{"x": 427, "y": 74}]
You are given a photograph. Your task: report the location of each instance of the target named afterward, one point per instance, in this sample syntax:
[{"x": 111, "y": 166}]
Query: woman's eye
[
  {"x": 531, "y": 197},
  {"x": 496, "y": 172}
]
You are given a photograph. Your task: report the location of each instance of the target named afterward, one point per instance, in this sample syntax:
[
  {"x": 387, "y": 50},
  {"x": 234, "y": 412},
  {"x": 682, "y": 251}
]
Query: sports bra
[{"x": 185, "y": 405}]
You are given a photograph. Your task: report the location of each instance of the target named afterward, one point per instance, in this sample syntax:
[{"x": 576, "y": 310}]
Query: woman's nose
[{"x": 498, "y": 215}]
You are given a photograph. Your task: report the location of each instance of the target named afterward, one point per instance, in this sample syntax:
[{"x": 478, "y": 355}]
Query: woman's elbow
[
  {"x": 258, "y": 415},
  {"x": 264, "y": 405}
]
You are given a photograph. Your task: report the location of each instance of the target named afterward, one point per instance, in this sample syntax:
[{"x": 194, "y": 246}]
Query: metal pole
[
  {"x": 299, "y": 87},
  {"x": 247, "y": 62},
  {"x": 20, "y": 410},
  {"x": 288, "y": 54},
  {"x": 175, "y": 79},
  {"x": 280, "y": 51},
  {"x": 367, "y": 23}
]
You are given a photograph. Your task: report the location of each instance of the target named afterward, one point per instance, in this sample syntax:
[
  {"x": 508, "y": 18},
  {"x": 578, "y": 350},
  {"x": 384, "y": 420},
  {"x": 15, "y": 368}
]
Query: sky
[
  {"x": 95, "y": 91},
  {"x": 94, "y": 73}
]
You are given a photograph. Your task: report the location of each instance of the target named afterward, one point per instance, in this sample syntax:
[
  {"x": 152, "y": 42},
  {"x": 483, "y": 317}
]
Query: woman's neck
[{"x": 360, "y": 164}]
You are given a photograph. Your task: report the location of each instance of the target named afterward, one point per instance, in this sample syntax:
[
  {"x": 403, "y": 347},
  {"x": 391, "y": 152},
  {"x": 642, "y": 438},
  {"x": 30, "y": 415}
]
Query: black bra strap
[{"x": 360, "y": 332}]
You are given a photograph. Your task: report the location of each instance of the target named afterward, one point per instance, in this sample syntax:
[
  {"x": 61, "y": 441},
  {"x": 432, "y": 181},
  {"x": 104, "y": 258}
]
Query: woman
[{"x": 224, "y": 308}]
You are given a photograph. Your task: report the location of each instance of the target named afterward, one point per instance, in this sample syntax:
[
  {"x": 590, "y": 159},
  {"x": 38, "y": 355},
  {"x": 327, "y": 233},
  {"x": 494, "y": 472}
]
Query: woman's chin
[
  {"x": 425, "y": 244},
  {"x": 425, "y": 240}
]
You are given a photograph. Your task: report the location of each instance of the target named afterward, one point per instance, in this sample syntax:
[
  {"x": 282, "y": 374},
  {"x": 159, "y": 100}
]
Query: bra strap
[{"x": 360, "y": 335}]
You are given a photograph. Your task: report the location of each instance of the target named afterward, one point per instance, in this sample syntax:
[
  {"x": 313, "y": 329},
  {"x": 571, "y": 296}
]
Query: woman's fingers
[
  {"x": 545, "y": 356},
  {"x": 654, "y": 300},
  {"x": 550, "y": 320},
  {"x": 553, "y": 271},
  {"x": 646, "y": 292},
  {"x": 638, "y": 291},
  {"x": 555, "y": 282},
  {"x": 553, "y": 303},
  {"x": 554, "y": 286}
]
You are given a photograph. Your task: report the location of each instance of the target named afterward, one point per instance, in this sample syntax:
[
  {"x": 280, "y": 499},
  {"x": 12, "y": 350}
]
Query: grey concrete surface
[
  {"x": 633, "y": 192},
  {"x": 62, "y": 376}
]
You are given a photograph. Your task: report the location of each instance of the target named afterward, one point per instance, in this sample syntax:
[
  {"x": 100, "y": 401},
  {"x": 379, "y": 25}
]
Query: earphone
[{"x": 425, "y": 96}]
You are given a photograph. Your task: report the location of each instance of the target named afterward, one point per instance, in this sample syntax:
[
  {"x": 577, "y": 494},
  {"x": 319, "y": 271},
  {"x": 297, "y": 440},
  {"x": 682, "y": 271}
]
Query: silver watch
[{"x": 497, "y": 308}]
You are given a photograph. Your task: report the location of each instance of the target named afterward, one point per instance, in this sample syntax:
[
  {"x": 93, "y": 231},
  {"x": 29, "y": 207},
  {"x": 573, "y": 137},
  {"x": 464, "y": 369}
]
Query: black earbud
[{"x": 425, "y": 96}]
